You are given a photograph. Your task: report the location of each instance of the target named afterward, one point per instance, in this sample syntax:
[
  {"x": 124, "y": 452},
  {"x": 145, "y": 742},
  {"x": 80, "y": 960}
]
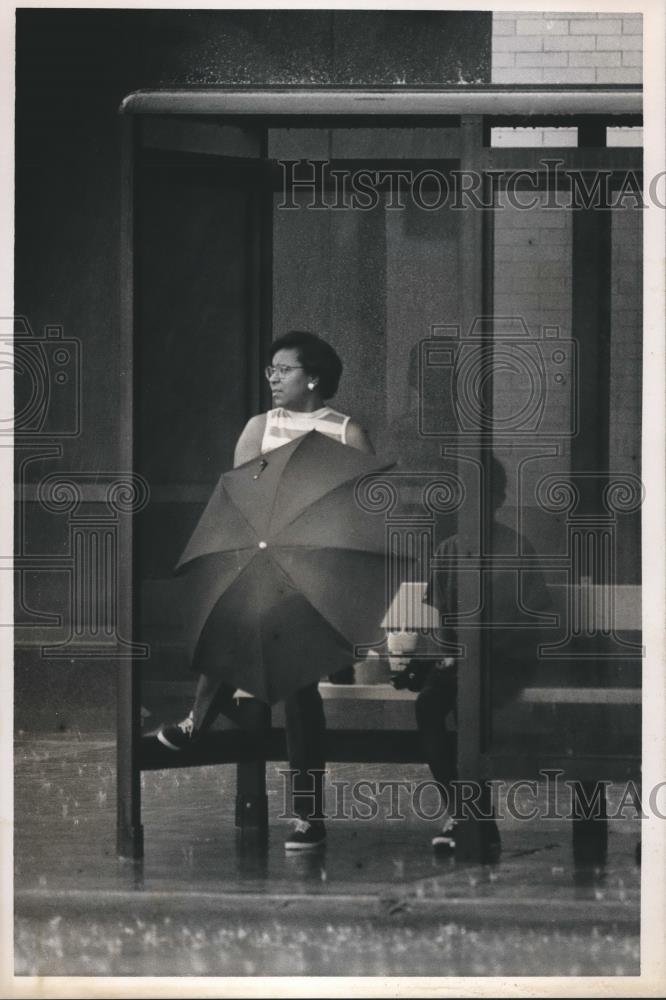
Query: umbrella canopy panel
[
  {"x": 257, "y": 500},
  {"x": 286, "y": 572}
]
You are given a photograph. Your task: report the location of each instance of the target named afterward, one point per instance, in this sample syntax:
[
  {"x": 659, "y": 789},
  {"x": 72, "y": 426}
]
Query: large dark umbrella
[{"x": 286, "y": 571}]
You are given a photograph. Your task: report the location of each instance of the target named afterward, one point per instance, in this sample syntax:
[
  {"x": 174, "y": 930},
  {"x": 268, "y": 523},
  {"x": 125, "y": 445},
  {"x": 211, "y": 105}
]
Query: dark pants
[
  {"x": 305, "y": 725},
  {"x": 435, "y": 700}
]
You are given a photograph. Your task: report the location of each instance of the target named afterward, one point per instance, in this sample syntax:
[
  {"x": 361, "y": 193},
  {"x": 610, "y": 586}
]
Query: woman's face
[{"x": 291, "y": 389}]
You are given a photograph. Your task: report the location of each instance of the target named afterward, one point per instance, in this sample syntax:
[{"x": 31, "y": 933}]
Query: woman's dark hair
[{"x": 317, "y": 357}]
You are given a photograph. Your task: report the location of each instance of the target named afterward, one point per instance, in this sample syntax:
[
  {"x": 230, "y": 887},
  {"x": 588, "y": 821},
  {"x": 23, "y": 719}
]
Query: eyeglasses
[{"x": 281, "y": 370}]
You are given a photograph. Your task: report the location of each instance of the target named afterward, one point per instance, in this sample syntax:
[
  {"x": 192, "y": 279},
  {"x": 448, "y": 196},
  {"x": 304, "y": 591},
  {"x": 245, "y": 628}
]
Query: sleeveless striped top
[{"x": 283, "y": 426}]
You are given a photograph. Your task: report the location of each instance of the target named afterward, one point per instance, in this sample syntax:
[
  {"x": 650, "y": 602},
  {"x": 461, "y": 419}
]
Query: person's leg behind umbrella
[
  {"x": 435, "y": 700},
  {"x": 306, "y": 749},
  {"x": 213, "y": 697},
  {"x": 305, "y": 725}
]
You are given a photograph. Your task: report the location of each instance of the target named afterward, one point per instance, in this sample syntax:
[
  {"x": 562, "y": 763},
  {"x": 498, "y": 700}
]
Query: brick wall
[
  {"x": 532, "y": 277},
  {"x": 532, "y": 281},
  {"x": 532, "y": 266},
  {"x": 532, "y": 47}
]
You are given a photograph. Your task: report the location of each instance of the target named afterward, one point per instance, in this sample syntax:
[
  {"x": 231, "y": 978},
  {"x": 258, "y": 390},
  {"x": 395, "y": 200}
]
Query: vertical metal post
[
  {"x": 129, "y": 840},
  {"x": 591, "y": 297},
  {"x": 469, "y": 838},
  {"x": 264, "y": 264},
  {"x": 590, "y": 826}
]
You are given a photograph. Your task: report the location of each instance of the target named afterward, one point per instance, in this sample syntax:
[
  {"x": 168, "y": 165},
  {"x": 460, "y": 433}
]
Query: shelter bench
[
  {"x": 397, "y": 742},
  {"x": 560, "y": 729}
]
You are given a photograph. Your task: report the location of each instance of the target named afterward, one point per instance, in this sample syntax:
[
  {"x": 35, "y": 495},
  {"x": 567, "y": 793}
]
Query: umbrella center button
[{"x": 263, "y": 545}]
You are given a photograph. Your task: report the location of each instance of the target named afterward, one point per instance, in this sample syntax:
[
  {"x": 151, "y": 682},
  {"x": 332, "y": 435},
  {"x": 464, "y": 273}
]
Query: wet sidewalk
[{"x": 376, "y": 901}]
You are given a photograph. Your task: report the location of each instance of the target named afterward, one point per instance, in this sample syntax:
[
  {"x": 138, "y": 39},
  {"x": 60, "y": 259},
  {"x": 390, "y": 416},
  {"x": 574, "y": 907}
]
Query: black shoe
[
  {"x": 344, "y": 676},
  {"x": 178, "y": 735},
  {"x": 445, "y": 842},
  {"x": 492, "y": 843},
  {"x": 306, "y": 836}
]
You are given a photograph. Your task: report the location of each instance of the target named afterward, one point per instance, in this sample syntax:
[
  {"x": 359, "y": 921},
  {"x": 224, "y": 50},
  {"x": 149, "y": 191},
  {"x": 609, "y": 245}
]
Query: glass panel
[
  {"x": 193, "y": 250},
  {"x": 375, "y": 284},
  {"x": 533, "y": 405},
  {"x": 566, "y": 409},
  {"x": 193, "y": 244},
  {"x": 378, "y": 283},
  {"x": 533, "y": 390}
]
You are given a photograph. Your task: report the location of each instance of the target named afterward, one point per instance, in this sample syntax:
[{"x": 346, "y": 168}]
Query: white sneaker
[
  {"x": 178, "y": 735},
  {"x": 306, "y": 836},
  {"x": 445, "y": 840}
]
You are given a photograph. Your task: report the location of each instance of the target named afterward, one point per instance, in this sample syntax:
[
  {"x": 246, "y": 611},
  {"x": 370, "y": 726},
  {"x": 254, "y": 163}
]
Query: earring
[{"x": 311, "y": 386}]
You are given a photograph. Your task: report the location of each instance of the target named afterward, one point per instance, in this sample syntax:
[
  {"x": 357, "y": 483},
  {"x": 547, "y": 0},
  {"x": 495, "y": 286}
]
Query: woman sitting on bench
[{"x": 303, "y": 373}]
